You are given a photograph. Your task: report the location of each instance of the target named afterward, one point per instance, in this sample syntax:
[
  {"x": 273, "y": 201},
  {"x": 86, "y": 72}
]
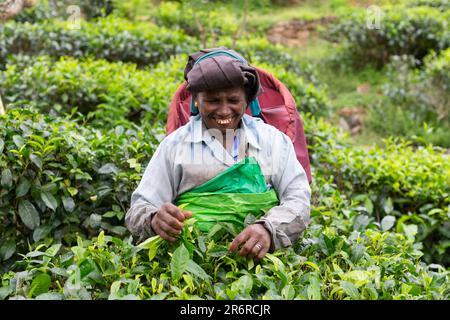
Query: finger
[
  {"x": 187, "y": 214},
  {"x": 249, "y": 246},
  {"x": 174, "y": 211},
  {"x": 263, "y": 252},
  {"x": 173, "y": 222},
  {"x": 169, "y": 229},
  {"x": 256, "y": 249},
  {"x": 241, "y": 238},
  {"x": 167, "y": 237}
]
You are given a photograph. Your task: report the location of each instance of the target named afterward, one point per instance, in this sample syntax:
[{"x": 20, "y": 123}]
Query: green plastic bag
[{"x": 230, "y": 196}]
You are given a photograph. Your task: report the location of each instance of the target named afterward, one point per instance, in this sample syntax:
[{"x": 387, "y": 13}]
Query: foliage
[
  {"x": 344, "y": 255},
  {"x": 60, "y": 9},
  {"x": 108, "y": 38},
  {"x": 308, "y": 98},
  {"x": 106, "y": 93},
  {"x": 442, "y": 5},
  {"x": 417, "y": 102},
  {"x": 85, "y": 117},
  {"x": 402, "y": 31},
  {"x": 413, "y": 184},
  {"x": 58, "y": 178},
  {"x": 192, "y": 17},
  {"x": 96, "y": 88}
]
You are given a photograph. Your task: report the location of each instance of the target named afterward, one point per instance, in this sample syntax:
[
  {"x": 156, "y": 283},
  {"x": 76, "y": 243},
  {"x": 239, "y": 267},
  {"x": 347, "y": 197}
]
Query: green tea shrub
[
  {"x": 395, "y": 181},
  {"x": 402, "y": 31},
  {"x": 112, "y": 92},
  {"x": 442, "y": 5},
  {"x": 109, "y": 38},
  {"x": 309, "y": 99},
  {"x": 259, "y": 50},
  {"x": 343, "y": 255},
  {"x": 105, "y": 93},
  {"x": 192, "y": 17},
  {"x": 59, "y": 9},
  {"x": 58, "y": 177},
  {"x": 417, "y": 101}
]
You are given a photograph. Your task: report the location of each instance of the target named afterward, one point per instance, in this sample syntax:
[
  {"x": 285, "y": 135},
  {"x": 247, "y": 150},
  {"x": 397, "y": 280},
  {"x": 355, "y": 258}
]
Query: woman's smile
[
  {"x": 222, "y": 109},
  {"x": 224, "y": 122}
]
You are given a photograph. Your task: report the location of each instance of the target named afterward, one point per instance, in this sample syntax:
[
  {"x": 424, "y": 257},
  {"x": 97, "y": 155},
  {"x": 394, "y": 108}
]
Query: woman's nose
[{"x": 224, "y": 109}]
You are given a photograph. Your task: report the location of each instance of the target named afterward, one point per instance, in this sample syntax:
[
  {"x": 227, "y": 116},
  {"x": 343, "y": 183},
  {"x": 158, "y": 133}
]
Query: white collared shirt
[{"x": 192, "y": 155}]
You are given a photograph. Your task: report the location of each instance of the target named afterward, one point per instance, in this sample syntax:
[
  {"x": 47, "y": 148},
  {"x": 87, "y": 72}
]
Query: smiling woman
[{"x": 227, "y": 163}]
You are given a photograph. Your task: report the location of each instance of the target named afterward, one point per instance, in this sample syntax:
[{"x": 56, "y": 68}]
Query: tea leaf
[
  {"x": 18, "y": 141},
  {"x": 6, "y": 180},
  {"x": 387, "y": 206},
  {"x": 387, "y": 223},
  {"x": 36, "y": 160},
  {"x": 179, "y": 262},
  {"x": 40, "y": 285},
  {"x": 108, "y": 168},
  {"x": 41, "y": 232},
  {"x": 28, "y": 214},
  {"x": 7, "y": 250},
  {"x": 49, "y": 200},
  {"x": 369, "y": 205},
  {"x": 197, "y": 271},
  {"x": 23, "y": 187},
  {"x": 313, "y": 289},
  {"x": 68, "y": 204},
  {"x": 288, "y": 292},
  {"x": 350, "y": 289},
  {"x": 5, "y": 292}
]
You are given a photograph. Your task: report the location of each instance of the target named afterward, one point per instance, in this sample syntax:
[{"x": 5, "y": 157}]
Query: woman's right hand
[{"x": 168, "y": 221}]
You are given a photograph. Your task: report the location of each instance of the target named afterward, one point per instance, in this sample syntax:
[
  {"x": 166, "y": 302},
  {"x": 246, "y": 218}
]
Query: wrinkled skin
[{"x": 221, "y": 110}]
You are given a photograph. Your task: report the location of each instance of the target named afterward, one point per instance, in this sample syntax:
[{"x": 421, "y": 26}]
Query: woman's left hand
[{"x": 255, "y": 241}]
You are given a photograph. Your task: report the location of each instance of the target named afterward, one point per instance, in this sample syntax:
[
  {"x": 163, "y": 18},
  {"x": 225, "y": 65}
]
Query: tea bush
[
  {"x": 259, "y": 50},
  {"x": 58, "y": 177},
  {"x": 106, "y": 93},
  {"x": 309, "y": 99},
  {"x": 109, "y": 38},
  {"x": 412, "y": 31},
  {"x": 413, "y": 184},
  {"x": 338, "y": 258},
  {"x": 191, "y": 17},
  {"x": 49, "y": 9},
  {"x": 110, "y": 92},
  {"x": 442, "y": 5},
  {"x": 417, "y": 101}
]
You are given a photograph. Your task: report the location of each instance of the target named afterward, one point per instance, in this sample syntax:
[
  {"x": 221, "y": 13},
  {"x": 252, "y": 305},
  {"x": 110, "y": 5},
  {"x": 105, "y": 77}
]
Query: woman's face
[{"x": 222, "y": 109}]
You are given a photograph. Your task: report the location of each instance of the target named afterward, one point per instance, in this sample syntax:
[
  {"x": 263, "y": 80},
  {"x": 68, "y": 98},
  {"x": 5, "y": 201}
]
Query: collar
[{"x": 198, "y": 132}]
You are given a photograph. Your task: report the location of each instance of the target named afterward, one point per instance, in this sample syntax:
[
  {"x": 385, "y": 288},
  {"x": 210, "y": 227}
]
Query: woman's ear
[{"x": 195, "y": 98}]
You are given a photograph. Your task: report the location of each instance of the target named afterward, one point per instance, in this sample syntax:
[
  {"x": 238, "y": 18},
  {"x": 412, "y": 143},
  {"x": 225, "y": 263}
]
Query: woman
[{"x": 218, "y": 139}]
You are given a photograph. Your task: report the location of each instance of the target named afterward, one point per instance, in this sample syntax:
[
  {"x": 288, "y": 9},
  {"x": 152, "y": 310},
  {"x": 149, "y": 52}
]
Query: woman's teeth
[{"x": 224, "y": 121}]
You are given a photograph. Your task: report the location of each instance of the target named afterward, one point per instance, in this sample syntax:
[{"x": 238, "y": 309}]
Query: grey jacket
[{"x": 191, "y": 155}]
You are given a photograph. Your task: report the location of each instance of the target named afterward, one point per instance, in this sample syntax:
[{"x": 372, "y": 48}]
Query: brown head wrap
[{"x": 220, "y": 72}]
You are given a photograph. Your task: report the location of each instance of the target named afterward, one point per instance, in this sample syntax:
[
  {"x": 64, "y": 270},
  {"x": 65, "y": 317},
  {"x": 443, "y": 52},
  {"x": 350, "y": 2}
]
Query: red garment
[{"x": 277, "y": 109}]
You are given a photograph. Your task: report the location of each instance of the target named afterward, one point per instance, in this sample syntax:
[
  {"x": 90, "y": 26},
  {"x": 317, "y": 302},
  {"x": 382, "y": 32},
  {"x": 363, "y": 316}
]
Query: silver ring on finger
[{"x": 258, "y": 246}]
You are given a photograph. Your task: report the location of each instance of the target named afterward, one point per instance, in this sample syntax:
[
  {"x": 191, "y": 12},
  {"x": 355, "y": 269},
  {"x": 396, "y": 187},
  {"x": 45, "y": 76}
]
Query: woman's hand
[
  {"x": 168, "y": 221},
  {"x": 255, "y": 241}
]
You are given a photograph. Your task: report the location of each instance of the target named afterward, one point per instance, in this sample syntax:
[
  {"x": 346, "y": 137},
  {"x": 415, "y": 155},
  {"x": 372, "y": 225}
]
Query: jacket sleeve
[
  {"x": 291, "y": 217},
  {"x": 155, "y": 189}
]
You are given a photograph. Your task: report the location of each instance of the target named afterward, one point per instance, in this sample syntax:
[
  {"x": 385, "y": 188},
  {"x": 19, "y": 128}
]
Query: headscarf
[{"x": 222, "y": 68}]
